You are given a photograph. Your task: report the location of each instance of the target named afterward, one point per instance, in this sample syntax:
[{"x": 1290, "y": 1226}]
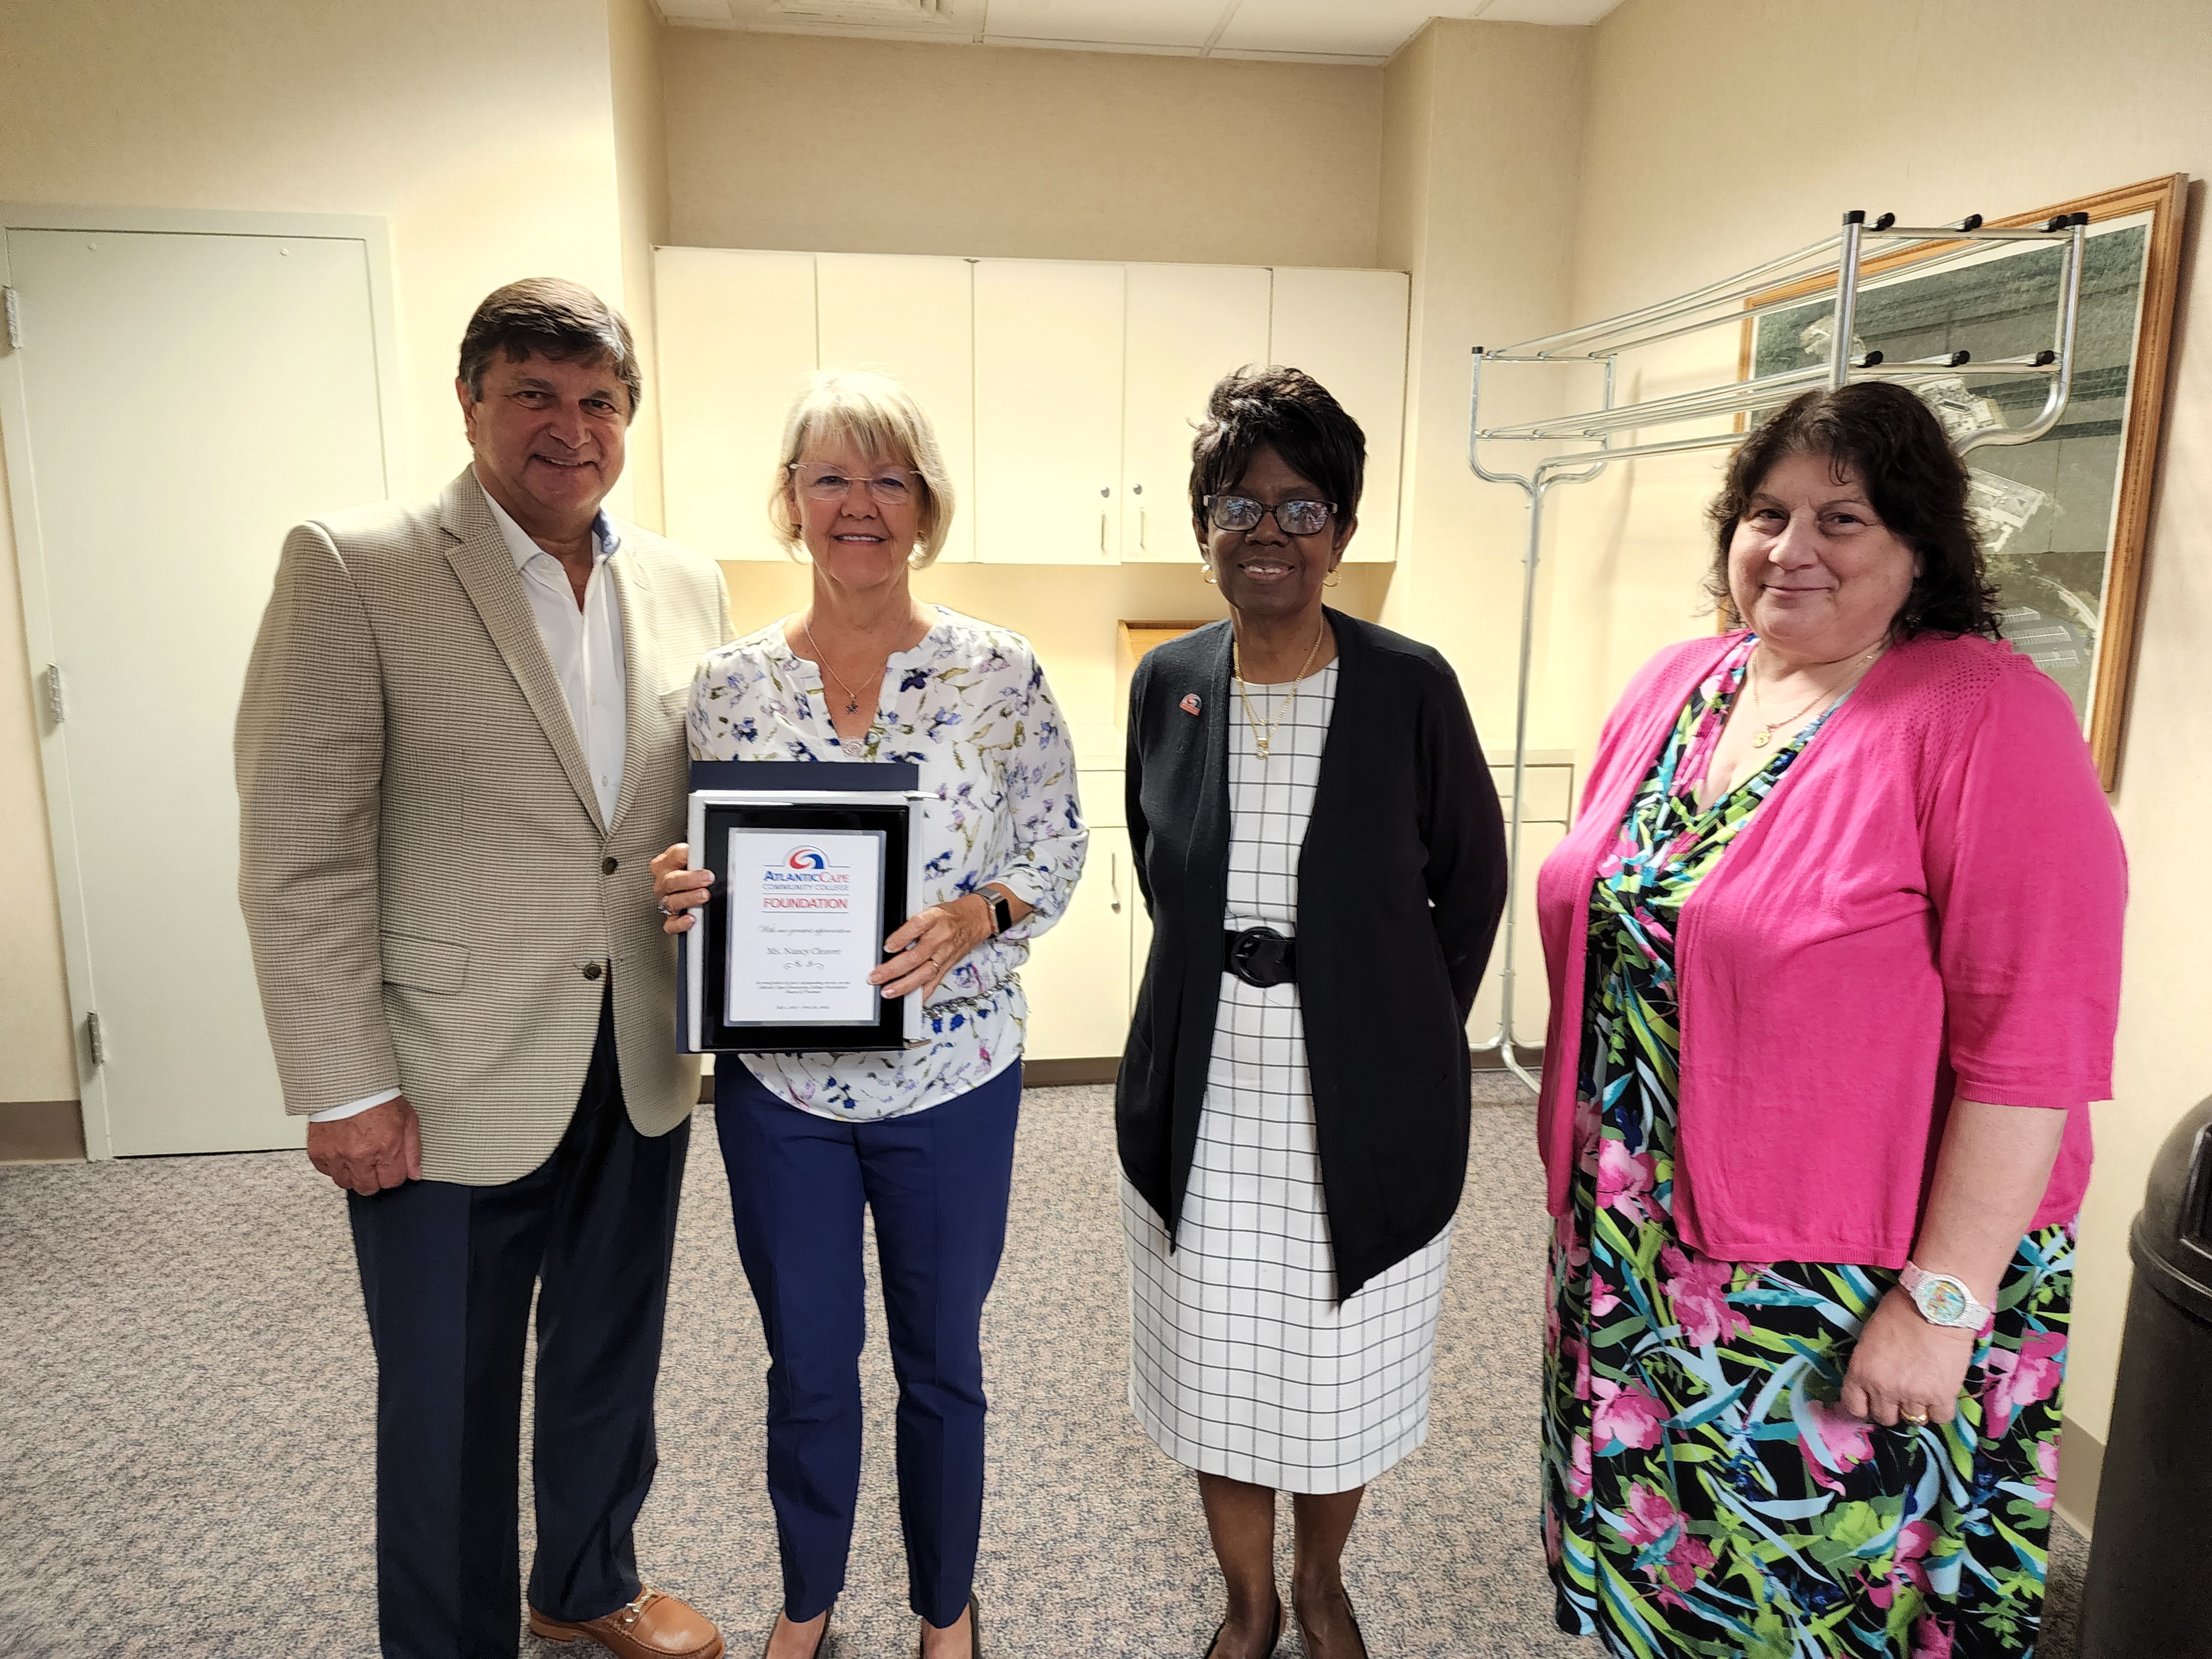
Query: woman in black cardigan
[{"x": 1319, "y": 843}]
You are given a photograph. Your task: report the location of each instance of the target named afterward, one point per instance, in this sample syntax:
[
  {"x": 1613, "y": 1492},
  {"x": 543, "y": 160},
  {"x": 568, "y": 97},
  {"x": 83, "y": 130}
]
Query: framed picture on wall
[{"x": 2063, "y": 519}]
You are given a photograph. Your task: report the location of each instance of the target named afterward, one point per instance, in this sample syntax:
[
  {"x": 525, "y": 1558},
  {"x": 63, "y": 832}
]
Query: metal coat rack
[{"x": 1835, "y": 265}]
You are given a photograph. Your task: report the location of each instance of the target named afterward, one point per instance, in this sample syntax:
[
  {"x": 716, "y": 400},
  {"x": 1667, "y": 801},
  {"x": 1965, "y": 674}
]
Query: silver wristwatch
[{"x": 1943, "y": 1300}]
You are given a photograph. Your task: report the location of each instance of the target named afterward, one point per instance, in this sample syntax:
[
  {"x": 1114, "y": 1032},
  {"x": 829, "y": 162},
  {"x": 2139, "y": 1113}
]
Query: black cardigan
[{"x": 1400, "y": 882}]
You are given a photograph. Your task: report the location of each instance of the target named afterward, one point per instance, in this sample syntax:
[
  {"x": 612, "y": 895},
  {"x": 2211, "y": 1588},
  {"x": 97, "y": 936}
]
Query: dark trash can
[{"x": 2149, "y": 1592}]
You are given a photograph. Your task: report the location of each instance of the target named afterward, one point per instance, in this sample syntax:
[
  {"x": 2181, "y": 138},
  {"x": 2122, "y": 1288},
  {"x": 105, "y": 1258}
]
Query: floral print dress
[{"x": 1704, "y": 1492}]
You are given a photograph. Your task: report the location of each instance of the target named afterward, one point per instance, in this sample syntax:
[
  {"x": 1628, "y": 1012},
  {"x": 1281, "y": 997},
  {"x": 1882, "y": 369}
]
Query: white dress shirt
[{"x": 585, "y": 645}]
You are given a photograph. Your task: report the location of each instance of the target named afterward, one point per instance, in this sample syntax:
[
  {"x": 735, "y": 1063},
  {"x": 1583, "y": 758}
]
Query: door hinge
[
  {"x": 14, "y": 320},
  {"x": 93, "y": 1037},
  {"x": 56, "y": 701}
]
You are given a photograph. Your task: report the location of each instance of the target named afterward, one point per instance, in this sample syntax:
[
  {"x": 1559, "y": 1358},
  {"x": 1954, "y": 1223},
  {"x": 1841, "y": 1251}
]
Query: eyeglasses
[
  {"x": 1242, "y": 513},
  {"x": 889, "y": 486}
]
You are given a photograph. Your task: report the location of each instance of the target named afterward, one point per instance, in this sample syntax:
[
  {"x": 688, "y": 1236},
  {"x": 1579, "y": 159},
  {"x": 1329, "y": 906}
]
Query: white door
[
  {"x": 1188, "y": 326},
  {"x": 737, "y": 346},
  {"x": 1348, "y": 330},
  {"x": 912, "y": 316},
  {"x": 1047, "y": 412},
  {"x": 177, "y": 402}
]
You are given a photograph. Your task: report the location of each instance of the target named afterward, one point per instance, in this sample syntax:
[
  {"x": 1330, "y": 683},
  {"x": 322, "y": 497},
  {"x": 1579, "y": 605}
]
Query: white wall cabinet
[
  {"x": 1187, "y": 326},
  {"x": 738, "y": 343},
  {"x": 1348, "y": 330},
  {"x": 1077, "y": 978},
  {"x": 1047, "y": 449},
  {"x": 1064, "y": 393},
  {"x": 913, "y": 317}
]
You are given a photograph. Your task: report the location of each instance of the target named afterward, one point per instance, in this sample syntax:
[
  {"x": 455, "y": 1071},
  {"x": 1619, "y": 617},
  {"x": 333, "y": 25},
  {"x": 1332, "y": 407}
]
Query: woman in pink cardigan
[{"x": 1834, "y": 955}]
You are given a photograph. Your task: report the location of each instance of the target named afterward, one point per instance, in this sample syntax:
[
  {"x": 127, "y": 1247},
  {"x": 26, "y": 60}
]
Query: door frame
[{"x": 374, "y": 235}]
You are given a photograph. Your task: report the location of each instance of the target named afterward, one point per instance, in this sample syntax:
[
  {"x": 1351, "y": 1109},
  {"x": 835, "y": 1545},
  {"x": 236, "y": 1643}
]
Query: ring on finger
[{"x": 1918, "y": 1419}]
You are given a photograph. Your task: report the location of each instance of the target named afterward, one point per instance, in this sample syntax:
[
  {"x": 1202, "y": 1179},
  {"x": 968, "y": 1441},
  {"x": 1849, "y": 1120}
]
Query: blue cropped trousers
[{"x": 938, "y": 1182}]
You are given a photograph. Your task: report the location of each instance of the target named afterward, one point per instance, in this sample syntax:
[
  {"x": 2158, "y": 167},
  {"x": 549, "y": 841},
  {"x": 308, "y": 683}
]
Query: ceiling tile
[{"x": 1186, "y": 23}]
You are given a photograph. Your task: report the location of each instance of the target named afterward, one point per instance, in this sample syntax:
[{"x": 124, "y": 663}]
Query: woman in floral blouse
[{"x": 924, "y": 1137}]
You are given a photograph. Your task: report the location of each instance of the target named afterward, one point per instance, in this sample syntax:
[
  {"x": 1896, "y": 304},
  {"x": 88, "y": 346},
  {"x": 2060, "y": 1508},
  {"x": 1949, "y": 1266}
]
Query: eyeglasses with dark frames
[{"x": 1242, "y": 513}]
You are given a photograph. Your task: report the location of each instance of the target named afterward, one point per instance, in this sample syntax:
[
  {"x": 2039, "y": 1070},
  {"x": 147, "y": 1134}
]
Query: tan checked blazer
[{"x": 433, "y": 900}]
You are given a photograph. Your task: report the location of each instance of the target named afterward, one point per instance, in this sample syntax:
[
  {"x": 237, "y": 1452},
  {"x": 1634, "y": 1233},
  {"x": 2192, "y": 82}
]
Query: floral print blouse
[{"x": 970, "y": 707}]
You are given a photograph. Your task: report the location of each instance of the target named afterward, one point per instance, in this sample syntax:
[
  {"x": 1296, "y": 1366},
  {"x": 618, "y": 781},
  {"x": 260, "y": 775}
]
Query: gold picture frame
[{"x": 2074, "y": 607}]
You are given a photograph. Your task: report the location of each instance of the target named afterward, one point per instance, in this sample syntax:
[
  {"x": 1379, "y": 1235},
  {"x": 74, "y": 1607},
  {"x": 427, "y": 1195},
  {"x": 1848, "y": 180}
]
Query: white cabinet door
[
  {"x": 1188, "y": 326},
  {"x": 1348, "y": 330},
  {"x": 147, "y": 555},
  {"x": 1047, "y": 412},
  {"x": 1077, "y": 978},
  {"x": 736, "y": 336},
  {"x": 913, "y": 317}
]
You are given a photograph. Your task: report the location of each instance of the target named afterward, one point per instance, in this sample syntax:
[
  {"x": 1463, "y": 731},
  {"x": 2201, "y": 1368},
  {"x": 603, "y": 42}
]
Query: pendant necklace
[
  {"x": 850, "y": 745},
  {"x": 1767, "y": 728},
  {"x": 1262, "y": 739}
]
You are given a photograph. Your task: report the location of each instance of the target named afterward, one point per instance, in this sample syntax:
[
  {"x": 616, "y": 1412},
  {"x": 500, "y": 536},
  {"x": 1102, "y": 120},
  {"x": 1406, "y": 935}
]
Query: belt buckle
[{"x": 1258, "y": 956}]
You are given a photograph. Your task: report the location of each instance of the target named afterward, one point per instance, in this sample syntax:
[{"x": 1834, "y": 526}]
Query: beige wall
[
  {"x": 483, "y": 132},
  {"x": 641, "y": 138},
  {"x": 880, "y": 147},
  {"x": 1481, "y": 149},
  {"x": 1720, "y": 132}
]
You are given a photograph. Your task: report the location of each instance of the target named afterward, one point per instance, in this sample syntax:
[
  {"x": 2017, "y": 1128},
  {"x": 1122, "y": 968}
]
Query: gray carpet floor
[{"x": 186, "y": 1418}]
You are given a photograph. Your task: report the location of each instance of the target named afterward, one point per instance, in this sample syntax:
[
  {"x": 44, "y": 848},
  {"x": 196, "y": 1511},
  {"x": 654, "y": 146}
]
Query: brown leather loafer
[{"x": 654, "y": 1626}]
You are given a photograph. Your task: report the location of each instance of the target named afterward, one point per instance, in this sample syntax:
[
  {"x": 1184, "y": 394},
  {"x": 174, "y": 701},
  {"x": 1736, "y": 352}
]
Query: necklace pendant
[
  {"x": 1260, "y": 744},
  {"x": 852, "y": 707},
  {"x": 1761, "y": 740}
]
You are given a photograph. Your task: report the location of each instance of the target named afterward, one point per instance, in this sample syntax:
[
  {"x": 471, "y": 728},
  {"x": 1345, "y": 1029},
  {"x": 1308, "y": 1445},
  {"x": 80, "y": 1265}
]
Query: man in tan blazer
[{"x": 462, "y": 742}]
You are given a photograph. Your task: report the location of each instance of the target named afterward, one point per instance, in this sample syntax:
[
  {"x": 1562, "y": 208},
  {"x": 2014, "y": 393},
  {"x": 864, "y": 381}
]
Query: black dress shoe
[
  {"x": 1354, "y": 1618},
  {"x": 974, "y": 1633},
  {"x": 1282, "y": 1623}
]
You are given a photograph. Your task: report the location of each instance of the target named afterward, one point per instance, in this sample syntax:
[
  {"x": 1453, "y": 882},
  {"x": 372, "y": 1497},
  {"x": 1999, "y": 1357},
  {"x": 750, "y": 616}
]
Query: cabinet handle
[
  {"x": 1113, "y": 880},
  {"x": 1144, "y": 530},
  {"x": 1102, "y": 532}
]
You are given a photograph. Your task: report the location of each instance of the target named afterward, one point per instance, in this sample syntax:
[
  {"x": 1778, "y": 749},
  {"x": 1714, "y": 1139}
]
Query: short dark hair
[
  {"x": 556, "y": 318},
  {"x": 1289, "y": 409},
  {"x": 1914, "y": 479}
]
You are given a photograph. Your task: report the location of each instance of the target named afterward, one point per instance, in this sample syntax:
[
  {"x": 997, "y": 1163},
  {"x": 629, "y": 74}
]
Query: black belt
[{"x": 1261, "y": 956}]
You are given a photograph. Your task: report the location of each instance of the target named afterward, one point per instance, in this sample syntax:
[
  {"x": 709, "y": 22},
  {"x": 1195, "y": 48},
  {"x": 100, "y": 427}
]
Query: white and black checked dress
[{"x": 1242, "y": 1362}]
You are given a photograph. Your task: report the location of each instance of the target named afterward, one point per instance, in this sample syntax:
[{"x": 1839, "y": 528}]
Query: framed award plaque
[{"x": 809, "y": 881}]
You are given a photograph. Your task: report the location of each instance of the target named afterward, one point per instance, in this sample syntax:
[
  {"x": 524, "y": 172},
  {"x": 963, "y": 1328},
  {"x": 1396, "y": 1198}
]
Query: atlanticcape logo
[{"x": 806, "y": 880}]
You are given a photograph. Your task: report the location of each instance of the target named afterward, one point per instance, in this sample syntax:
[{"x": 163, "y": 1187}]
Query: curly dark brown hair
[
  {"x": 1286, "y": 408},
  {"x": 1914, "y": 479}
]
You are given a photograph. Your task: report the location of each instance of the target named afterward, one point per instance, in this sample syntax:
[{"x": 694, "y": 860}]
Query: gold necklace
[
  {"x": 822, "y": 661},
  {"x": 1260, "y": 739},
  {"x": 1768, "y": 728}
]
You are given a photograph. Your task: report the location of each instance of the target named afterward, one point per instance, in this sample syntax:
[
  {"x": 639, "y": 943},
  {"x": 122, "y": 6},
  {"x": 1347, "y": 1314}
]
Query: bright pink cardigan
[{"x": 1929, "y": 902}]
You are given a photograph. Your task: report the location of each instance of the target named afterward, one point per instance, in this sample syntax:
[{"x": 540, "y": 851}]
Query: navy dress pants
[
  {"x": 447, "y": 1272},
  {"x": 938, "y": 1181}
]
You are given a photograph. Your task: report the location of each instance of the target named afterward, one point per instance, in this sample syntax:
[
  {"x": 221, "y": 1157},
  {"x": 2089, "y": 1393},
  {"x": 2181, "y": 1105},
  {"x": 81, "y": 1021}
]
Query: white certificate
[{"x": 805, "y": 926}]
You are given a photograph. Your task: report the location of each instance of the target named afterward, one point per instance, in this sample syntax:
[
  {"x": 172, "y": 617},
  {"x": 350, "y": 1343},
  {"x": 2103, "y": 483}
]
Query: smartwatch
[
  {"x": 1002, "y": 914},
  {"x": 1943, "y": 1300}
]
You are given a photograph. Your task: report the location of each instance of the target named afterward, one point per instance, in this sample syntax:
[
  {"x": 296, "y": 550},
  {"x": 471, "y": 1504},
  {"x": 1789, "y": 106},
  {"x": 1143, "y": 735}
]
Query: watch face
[{"x": 1943, "y": 1300}]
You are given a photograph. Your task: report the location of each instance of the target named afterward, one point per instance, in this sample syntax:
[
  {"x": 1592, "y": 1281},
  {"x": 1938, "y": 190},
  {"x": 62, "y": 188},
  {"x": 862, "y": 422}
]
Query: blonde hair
[{"x": 882, "y": 418}]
